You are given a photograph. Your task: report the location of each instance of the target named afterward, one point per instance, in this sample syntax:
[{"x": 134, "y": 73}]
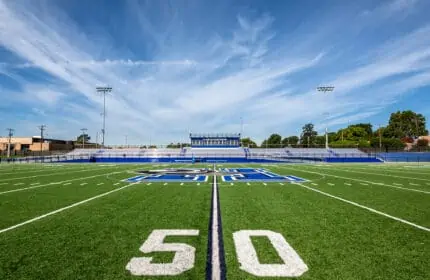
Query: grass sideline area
[{"x": 82, "y": 221}]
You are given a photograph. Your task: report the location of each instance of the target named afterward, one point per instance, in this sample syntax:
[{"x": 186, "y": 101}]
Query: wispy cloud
[{"x": 202, "y": 81}]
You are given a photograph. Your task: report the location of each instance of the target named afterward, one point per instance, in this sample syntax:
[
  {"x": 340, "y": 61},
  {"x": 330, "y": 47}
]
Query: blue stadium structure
[
  {"x": 208, "y": 140},
  {"x": 216, "y": 148}
]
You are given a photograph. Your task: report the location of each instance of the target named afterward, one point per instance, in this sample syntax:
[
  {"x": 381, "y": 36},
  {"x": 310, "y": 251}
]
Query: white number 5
[{"x": 182, "y": 261}]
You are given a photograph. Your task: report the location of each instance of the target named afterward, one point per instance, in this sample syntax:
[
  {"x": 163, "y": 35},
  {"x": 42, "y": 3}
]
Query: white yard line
[
  {"x": 348, "y": 184},
  {"x": 413, "y": 184},
  {"x": 116, "y": 184},
  {"x": 314, "y": 184},
  {"x": 364, "y": 184},
  {"x": 62, "y": 209},
  {"x": 35, "y": 184},
  {"x": 18, "y": 184},
  {"x": 57, "y": 183},
  {"x": 66, "y": 184},
  {"x": 358, "y": 180},
  {"x": 99, "y": 184},
  {"x": 83, "y": 184},
  {"x": 216, "y": 262},
  {"x": 365, "y": 207},
  {"x": 281, "y": 184},
  {"x": 330, "y": 184}
]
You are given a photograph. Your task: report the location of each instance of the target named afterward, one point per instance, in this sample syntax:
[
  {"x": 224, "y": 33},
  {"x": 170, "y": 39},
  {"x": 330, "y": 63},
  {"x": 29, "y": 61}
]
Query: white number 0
[
  {"x": 293, "y": 265},
  {"x": 182, "y": 261}
]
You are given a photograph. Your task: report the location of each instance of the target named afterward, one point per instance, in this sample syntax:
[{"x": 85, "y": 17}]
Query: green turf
[{"x": 96, "y": 240}]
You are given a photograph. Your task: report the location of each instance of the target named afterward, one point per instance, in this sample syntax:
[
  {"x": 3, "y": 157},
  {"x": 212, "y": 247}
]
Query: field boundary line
[
  {"x": 64, "y": 208},
  {"x": 388, "y": 170},
  {"x": 358, "y": 180},
  {"x": 41, "y": 169},
  {"x": 61, "y": 173},
  {"x": 386, "y": 175},
  {"x": 58, "y": 183},
  {"x": 366, "y": 208}
]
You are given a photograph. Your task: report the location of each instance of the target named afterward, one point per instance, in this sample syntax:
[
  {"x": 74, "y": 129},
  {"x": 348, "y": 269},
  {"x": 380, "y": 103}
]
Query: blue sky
[{"x": 179, "y": 66}]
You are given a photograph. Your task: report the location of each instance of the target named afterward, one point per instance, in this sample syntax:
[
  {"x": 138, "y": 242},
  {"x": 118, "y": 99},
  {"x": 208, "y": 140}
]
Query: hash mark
[
  {"x": 314, "y": 184},
  {"x": 182, "y": 184},
  {"x": 165, "y": 184},
  {"x": 17, "y": 184},
  {"x": 413, "y": 184},
  {"x": 99, "y": 184},
  {"x": 265, "y": 184},
  {"x": 248, "y": 184},
  {"x": 66, "y": 184},
  {"x": 348, "y": 184},
  {"x": 34, "y": 184},
  {"x": 330, "y": 184},
  {"x": 364, "y": 184},
  {"x": 116, "y": 184},
  {"x": 83, "y": 184},
  {"x": 397, "y": 184}
]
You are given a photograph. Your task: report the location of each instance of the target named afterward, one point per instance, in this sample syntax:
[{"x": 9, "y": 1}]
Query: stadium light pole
[
  {"x": 84, "y": 132},
  {"x": 104, "y": 91},
  {"x": 42, "y": 129},
  {"x": 10, "y": 134},
  {"x": 326, "y": 89}
]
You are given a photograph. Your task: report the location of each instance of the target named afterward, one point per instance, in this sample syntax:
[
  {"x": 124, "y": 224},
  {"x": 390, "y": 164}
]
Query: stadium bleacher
[{"x": 245, "y": 154}]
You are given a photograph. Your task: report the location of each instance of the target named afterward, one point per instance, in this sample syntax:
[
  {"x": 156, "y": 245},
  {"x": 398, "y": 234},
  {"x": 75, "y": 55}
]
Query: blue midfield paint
[
  {"x": 167, "y": 178},
  {"x": 256, "y": 175}
]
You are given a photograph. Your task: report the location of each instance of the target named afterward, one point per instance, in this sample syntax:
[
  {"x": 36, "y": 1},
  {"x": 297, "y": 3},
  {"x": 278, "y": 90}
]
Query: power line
[
  {"x": 10, "y": 134},
  {"x": 104, "y": 91}
]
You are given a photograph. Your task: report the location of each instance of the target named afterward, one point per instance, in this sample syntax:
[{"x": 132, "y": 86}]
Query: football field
[{"x": 342, "y": 221}]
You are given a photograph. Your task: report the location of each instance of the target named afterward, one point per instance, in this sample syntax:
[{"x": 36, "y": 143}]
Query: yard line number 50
[{"x": 292, "y": 266}]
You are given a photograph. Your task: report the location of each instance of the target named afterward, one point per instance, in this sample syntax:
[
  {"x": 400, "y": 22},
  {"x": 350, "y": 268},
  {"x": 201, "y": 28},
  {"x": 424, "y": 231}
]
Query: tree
[
  {"x": 406, "y": 123},
  {"x": 366, "y": 126},
  {"x": 308, "y": 134},
  {"x": 291, "y": 140},
  {"x": 83, "y": 137},
  {"x": 274, "y": 140},
  {"x": 422, "y": 143},
  {"x": 320, "y": 140},
  {"x": 247, "y": 142},
  {"x": 355, "y": 133}
]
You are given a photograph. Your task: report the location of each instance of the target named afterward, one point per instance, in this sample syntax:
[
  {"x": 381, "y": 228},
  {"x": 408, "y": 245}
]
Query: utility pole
[
  {"x": 97, "y": 139},
  {"x": 326, "y": 89},
  {"x": 42, "y": 129},
  {"x": 10, "y": 134},
  {"x": 104, "y": 91},
  {"x": 84, "y": 134},
  {"x": 125, "y": 136},
  {"x": 380, "y": 139}
]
